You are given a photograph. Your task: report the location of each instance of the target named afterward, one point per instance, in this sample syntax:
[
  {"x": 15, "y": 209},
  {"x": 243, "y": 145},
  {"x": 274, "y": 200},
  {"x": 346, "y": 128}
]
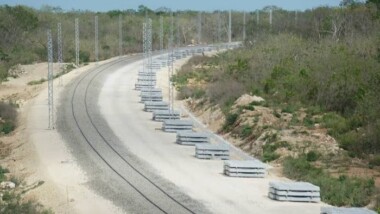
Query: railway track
[{"x": 160, "y": 199}]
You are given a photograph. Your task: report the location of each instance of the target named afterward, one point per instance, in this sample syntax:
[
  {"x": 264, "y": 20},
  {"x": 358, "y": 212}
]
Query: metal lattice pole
[
  {"x": 149, "y": 43},
  {"x": 257, "y": 17},
  {"x": 144, "y": 46},
  {"x": 270, "y": 17},
  {"x": 120, "y": 36},
  {"x": 149, "y": 52},
  {"x": 178, "y": 33},
  {"x": 50, "y": 77},
  {"x": 77, "y": 41},
  {"x": 219, "y": 28},
  {"x": 244, "y": 29},
  {"x": 229, "y": 27},
  {"x": 161, "y": 34},
  {"x": 96, "y": 40},
  {"x": 200, "y": 28},
  {"x": 296, "y": 18},
  {"x": 60, "y": 56},
  {"x": 170, "y": 64}
]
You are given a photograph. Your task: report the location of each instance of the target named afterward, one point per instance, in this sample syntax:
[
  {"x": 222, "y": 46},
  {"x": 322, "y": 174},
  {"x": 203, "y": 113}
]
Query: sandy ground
[
  {"x": 203, "y": 180},
  {"x": 40, "y": 155}
]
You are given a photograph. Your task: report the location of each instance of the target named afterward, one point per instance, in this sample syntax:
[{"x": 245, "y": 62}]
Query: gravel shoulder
[{"x": 48, "y": 159}]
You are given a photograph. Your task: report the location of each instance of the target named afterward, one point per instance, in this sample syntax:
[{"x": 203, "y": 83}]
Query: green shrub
[
  {"x": 375, "y": 161},
  {"x": 249, "y": 107},
  {"x": 256, "y": 103},
  {"x": 15, "y": 204},
  {"x": 270, "y": 137},
  {"x": 294, "y": 121},
  {"x": 84, "y": 56},
  {"x": 312, "y": 156},
  {"x": 231, "y": 118},
  {"x": 289, "y": 109},
  {"x": 7, "y": 127},
  {"x": 335, "y": 123},
  {"x": 342, "y": 191},
  {"x": 269, "y": 150},
  {"x": 3, "y": 171},
  {"x": 350, "y": 141},
  {"x": 198, "y": 93},
  {"x": 270, "y": 156},
  {"x": 37, "y": 82},
  {"x": 246, "y": 131},
  {"x": 308, "y": 121}
]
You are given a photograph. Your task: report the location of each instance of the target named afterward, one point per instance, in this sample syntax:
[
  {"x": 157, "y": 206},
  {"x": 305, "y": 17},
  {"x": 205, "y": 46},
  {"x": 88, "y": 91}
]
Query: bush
[
  {"x": 269, "y": 150},
  {"x": 7, "y": 127},
  {"x": 245, "y": 131},
  {"x": 312, "y": 156},
  {"x": 84, "y": 56},
  {"x": 335, "y": 123},
  {"x": 249, "y": 107},
  {"x": 8, "y": 115},
  {"x": 308, "y": 121},
  {"x": 342, "y": 191},
  {"x": 375, "y": 161},
  {"x": 37, "y": 82},
  {"x": 198, "y": 93},
  {"x": 12, "y": 203},
  {"x": 231, "y": 118},
  {"x": 3, "y": 171},
  {"x": 289, "y": 109}
]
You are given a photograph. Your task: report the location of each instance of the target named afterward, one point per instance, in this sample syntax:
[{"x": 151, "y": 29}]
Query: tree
[{"x": 144, "y": 9}]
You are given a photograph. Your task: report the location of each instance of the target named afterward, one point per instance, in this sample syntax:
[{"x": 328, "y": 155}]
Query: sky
[{"x": 202, "y": 5}]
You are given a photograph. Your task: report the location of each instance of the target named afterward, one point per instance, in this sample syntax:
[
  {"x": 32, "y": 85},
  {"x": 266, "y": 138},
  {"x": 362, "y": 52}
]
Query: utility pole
[
  {"x": 178, "y": 33},
  {"x": 229, "y": 27},
  {"x": 219, "y": 27},
  {"x": 50, "y": 80},
  {"x": 120, "y": 36},
  {"x": 59, "y": 53},
  {"x": 170, "y": 65},
  {"x": 244, "y": 30},
  {"x": 144, "y": 46},
  {"x": 199, "y": 27},
  {"x": 161, "y": 34},
  {"x": 270, "y": 17},
  {"x": 77, "y": 41},
  {"x": 96, "y": 40},
  {"x": 257, "y": 17}
]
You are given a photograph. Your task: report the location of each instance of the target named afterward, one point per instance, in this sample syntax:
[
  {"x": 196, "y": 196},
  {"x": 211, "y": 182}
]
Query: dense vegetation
[
  {"x": 338, "y": 76},
  {"x": 326, "y": 66}
]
